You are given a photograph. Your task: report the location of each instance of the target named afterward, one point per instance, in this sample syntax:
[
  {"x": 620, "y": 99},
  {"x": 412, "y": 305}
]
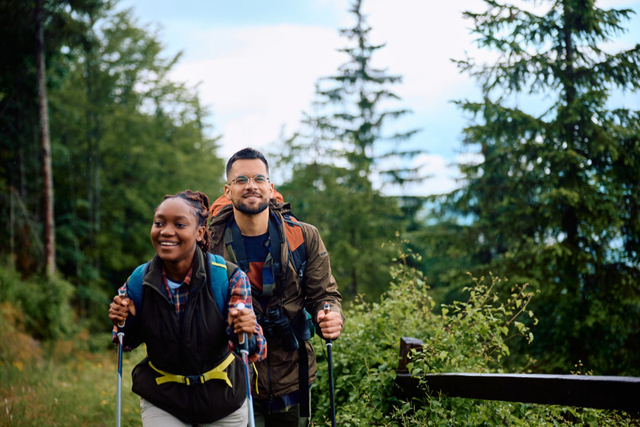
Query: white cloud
[
  {"x": 421, "y": 39},
  {"x": 258, "y": 79},
  {"x": 618, "y": 4},
  {"x": 264, "y": 81},
  {"x": 469, "y": 158}
]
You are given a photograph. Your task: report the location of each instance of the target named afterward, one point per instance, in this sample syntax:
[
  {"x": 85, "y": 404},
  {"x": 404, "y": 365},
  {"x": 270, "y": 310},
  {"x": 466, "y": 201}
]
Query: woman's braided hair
[{"x": 200, "y": 204}]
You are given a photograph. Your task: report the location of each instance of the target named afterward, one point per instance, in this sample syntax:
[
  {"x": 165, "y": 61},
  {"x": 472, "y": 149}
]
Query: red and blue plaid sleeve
[{"x": 240, "y": 291}]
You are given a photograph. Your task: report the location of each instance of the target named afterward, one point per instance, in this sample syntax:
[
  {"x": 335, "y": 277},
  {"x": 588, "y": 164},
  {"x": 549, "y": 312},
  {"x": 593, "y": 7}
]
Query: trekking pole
[
  {"x": 244, "y": 351},
  {"x": 330, "y": 362},
  {"x": 120, "y": 335}
]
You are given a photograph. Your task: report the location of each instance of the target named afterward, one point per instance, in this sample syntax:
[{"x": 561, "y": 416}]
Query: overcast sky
[{"x": 256, "y": 63}]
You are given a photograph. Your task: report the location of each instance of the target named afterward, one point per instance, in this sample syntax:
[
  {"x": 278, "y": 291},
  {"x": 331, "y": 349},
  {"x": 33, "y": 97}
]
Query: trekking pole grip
[
  {"x": 327, "y": 309},
  {"x": 242, "y": 339},
  {"x": 122, "y": 293}
]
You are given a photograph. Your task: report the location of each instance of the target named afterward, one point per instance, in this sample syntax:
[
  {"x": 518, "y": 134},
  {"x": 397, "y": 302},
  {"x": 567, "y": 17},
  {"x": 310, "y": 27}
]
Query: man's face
[{"x": 251, "y": 197}]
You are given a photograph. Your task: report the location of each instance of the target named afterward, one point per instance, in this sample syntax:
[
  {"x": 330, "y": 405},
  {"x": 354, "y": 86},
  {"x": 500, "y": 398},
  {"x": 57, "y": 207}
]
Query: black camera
[{"x": 276, "y": 324}]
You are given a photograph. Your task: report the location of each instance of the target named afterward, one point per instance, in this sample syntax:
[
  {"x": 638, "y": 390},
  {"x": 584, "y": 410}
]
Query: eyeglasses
[{"x": 242, "y": 180}]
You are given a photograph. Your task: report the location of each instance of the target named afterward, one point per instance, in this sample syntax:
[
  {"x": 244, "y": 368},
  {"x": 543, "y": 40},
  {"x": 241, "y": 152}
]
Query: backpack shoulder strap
[
  {"x": 219, "y": 280},
  {"x": 295, "y": 240},
  {"x": 231, "y": 269},
  {"x": 134, "y": 285}
]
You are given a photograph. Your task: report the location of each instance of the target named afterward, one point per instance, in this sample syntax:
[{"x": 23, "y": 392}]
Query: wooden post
[{"x": 406, "y": 344}]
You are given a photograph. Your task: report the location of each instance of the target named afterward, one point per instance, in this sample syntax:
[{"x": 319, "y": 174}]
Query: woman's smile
[{"x": 175, "y": 231}]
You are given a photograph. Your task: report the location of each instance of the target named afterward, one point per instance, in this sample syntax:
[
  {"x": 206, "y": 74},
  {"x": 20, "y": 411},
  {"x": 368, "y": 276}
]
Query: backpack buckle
[{"x": 194, "y": 379}]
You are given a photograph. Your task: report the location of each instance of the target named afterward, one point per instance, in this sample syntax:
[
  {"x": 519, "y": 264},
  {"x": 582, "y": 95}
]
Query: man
[{"x": 288, "y": 267}]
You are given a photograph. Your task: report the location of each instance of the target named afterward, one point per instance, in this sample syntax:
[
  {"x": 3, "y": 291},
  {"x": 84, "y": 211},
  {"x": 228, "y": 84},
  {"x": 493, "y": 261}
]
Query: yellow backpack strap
[
  {"x": 216, "y": 373},
  {"x": 256, "y": 371}
]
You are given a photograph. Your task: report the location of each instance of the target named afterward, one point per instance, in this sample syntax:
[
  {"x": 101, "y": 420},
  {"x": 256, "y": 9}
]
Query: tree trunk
[
  {"x": 93, "y": 142},
  {"x": 45, "y": 148}
]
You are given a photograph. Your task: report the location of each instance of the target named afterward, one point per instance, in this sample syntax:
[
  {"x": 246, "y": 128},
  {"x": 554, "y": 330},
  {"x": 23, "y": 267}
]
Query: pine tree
[
  {"x": 122, "y": 135},
  {"x": 344, "y": 159},
  {"x": 356, "y": 118},
  {"x": 126, "y": 136},
  {"x": 555, "y": 200}
]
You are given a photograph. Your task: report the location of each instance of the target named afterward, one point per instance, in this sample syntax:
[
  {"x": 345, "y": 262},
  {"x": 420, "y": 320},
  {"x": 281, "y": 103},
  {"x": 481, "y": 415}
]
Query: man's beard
[{"x": 250, "y": 211}]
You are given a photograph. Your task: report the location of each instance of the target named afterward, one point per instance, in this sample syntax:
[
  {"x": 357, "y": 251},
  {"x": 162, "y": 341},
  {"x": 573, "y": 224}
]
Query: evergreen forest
[{"x": 532, "y": 265}]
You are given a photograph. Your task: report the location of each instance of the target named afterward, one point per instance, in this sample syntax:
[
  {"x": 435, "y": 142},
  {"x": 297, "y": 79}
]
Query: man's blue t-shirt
[{"x": 255, "y": 247}]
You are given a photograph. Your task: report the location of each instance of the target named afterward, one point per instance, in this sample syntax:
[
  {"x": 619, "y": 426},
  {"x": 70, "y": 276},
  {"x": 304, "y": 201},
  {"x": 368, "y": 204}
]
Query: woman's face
[{"x": 175, "y": 231}]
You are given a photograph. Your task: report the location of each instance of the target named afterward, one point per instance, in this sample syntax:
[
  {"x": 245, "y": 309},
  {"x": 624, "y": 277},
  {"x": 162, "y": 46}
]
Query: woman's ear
[{"x": 200, "y": 233}]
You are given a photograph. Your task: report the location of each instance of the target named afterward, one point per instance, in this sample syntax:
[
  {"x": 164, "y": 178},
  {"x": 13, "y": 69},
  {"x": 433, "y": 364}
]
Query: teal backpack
[{"x": 219, "y": 276}]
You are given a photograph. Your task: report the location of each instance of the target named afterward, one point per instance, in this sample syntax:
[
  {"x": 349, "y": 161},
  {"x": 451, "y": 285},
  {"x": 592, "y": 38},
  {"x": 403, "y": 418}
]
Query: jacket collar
[{"x": 154, "y": 274}]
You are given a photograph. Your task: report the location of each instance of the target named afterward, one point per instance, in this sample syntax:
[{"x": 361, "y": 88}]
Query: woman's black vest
[{"x": 176, "y": 374}]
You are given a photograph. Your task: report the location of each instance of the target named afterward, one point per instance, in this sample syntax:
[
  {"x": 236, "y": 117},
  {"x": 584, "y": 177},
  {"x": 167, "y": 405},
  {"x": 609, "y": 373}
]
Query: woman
[{"x": 190, "y": 375}]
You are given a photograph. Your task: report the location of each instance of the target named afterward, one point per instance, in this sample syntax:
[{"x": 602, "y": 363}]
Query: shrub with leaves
[
  {"x": 472, "y": 336},
  {"x": 17, "y": 346},
  {"x": 43, "y": 301}
]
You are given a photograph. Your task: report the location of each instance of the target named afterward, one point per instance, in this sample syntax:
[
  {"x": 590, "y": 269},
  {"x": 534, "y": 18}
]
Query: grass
[{"x": 80, "y": 391}]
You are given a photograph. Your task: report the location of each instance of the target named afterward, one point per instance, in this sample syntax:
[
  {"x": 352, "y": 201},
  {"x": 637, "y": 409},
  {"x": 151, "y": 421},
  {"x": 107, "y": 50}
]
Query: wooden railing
[{"x": 587, "y": 391}]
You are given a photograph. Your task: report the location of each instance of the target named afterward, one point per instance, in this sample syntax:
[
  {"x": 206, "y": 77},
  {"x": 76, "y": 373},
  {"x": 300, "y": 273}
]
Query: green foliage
[
  {"x": 140, "y": 136},
  {"x": 470, "y": 336},
  {"x": 474, "y": 335},
  {"x": 17, "y": 346},
  {"x": 43, "y": 302},
  {"x": 364, "y": 356},
  {"x": 553, "y": 200},
  {"x": 20, "y": 157},
  {"x": 462, "y": 412},
  {"x": 123, "y": 135}
]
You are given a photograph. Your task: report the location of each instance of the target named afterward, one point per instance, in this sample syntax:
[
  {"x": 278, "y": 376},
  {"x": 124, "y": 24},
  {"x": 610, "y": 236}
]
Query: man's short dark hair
[{"x": 246, "y": 154}]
